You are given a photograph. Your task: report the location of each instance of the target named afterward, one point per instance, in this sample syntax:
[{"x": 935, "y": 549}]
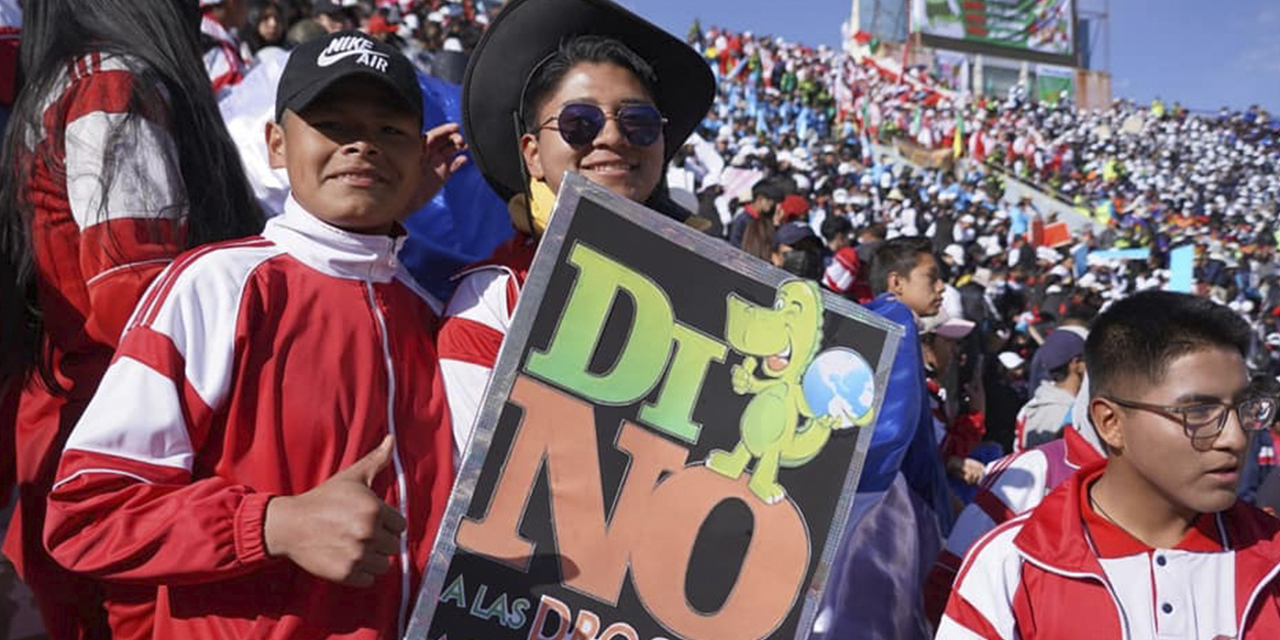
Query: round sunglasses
[{"x": 578, "y": 124}]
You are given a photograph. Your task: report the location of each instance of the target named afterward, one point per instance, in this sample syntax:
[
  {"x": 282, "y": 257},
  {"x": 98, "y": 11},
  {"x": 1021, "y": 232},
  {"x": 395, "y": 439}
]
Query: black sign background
[{"x": 697, "y": 287}]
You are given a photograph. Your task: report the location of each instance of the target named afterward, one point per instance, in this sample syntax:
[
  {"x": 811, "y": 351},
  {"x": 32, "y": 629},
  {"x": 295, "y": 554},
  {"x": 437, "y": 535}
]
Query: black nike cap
[{"x": 318, "y": 64}]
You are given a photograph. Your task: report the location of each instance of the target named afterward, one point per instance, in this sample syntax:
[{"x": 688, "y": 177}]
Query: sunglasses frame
[{"x": 618, "y": 115}]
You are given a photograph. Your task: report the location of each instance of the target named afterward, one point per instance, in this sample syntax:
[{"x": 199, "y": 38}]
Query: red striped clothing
[
  {"x": 252, "y": 369},
  {"x": 223, "y": 62},
  {"x": 476, "y": 321},
  {"x": 1062, "y": 571},
  {"x": 95, "y": 252},
  {"x": 1012, "y": 485},
  {"x": 845, "y": 276}
]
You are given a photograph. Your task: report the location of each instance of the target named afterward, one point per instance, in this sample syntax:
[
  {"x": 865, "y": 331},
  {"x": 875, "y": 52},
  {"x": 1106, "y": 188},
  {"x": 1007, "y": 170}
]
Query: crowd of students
[{"x": 192, "y": 457}]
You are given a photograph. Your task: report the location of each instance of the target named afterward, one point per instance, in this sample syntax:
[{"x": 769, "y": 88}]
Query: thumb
[{"x": 367, "y": 468}]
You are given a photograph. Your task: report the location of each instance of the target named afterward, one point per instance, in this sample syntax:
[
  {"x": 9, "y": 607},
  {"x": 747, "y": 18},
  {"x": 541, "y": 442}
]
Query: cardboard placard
[{"x": 669, "y": 446}]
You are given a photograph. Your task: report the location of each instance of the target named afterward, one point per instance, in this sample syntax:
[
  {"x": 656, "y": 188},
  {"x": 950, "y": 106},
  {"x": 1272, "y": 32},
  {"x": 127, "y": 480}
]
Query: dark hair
[
  {"x": 302, "y": 31},
  {"x": 803, "y": 263},
  {"x": 586, "y": 48},
  {"x": 758, "y": 238},
  {"x": 876, "y": 231},
  {"x": 1063, "y": 372},
  {"x": 835, "y": 226},
  {"x": 1081, "y": 311},
  {"x": 257, "y": 12},
  {"x": 1136, "y": 338},
  {"x": 1265, "y": 385},
  {"x": 899, "y": 255},
  {"x": 160, "y": 43},
  {"x": 766, "y": 189}
]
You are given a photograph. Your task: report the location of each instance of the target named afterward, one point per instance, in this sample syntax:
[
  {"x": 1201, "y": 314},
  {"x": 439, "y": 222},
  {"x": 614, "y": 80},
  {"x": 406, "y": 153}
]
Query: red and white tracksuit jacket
[
  {"x": 1013, "y": 485},
  {"x": 223, "y": 62},
  {"x": 258, "y": 368},
  {"x": 95, "y": 254},
  {"x": 1063, "y": 571},
  {"x": 476, "y": 321}
]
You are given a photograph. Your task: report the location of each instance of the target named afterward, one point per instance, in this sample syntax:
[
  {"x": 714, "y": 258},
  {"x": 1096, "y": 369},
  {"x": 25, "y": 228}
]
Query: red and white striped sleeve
[
  {"x": 225, "y": 67},
  {"x": 125, "y": 505},
  {"x": 124, "y": 188},
  {"x": 842, "y": 273},
  {"x": 476, "y": 321},
  {"x": 981, "y": 606},
  {"x": 1013, "y": 485}
]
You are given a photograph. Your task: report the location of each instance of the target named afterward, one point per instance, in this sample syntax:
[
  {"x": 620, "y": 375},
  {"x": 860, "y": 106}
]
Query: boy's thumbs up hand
[{"x": 340, "y": 530}]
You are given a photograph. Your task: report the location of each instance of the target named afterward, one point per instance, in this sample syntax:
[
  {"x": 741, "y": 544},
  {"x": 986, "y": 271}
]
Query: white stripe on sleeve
[{"x": 141, "y": 165}]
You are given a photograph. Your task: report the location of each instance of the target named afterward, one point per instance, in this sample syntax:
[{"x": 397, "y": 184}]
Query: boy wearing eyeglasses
[
  {"x": 1152, "y": 542},
  {"x": 556, "y": 86}
]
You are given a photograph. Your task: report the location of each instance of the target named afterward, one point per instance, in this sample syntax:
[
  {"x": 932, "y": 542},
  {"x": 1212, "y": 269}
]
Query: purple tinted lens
[
  {"x": 579, "y": 124},
  {"x": 641, "y": 124}
]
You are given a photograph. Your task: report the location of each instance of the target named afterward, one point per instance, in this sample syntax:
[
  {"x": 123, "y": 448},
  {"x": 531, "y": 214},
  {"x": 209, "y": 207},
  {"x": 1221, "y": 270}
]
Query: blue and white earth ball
[{"x": 840, "y": 383}]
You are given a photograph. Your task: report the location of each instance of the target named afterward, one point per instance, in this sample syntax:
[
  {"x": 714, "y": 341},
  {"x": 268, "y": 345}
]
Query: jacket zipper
[{"x": 402, "y": 505}]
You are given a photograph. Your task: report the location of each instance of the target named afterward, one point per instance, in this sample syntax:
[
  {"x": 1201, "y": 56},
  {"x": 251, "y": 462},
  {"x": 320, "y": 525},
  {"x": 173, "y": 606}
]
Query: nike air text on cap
[{"x": 317, "y": 64}]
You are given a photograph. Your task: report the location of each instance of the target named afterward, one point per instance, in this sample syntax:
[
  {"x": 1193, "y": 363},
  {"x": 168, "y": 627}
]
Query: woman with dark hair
[
  {"x": 115, "y": 160},
  {"x": 266, "y": 26},
  {"x": 556, "y": 86}
]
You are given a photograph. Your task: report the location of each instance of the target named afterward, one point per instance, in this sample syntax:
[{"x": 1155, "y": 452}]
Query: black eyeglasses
[
  {"x": 1206, "y": 420},
  {"x": 580, "y": 123}
]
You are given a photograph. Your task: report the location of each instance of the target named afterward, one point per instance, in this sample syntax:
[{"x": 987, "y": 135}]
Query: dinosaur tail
[{"x": 807, "y": 444}]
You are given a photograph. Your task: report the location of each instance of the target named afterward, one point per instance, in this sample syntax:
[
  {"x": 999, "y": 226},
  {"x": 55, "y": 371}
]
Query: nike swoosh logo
[{"x": 325, "y": 59}]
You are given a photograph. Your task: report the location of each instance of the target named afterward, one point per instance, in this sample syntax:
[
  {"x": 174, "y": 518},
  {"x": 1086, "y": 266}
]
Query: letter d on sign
[{"x": 644, "y": 356}]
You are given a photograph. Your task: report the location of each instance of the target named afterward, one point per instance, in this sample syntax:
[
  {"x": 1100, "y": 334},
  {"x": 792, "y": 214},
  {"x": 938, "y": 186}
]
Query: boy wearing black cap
[{"x": 270, "y": 449}]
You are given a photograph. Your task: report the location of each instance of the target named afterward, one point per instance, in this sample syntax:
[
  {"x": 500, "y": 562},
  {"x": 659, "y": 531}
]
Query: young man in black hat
[
  {"x": 272, "y": 432},
  {"x": 556, "y": 86}
]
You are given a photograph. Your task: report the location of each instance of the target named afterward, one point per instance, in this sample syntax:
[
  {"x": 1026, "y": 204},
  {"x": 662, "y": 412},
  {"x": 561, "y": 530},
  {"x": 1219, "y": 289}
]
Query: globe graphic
[{"x": 840, "y": 383}]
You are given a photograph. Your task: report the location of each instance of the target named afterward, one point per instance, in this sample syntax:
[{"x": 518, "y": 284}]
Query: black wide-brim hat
[{"x": 525, "y": 33}]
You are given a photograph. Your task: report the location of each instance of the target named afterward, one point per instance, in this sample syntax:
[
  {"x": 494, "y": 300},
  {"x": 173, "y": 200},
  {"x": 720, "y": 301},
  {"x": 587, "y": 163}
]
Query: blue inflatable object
[{"x": 465, "y": 222}]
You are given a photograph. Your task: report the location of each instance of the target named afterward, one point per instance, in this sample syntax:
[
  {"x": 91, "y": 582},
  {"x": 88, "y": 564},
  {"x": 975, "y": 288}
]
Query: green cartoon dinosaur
[{"x": 786, "y": 338}]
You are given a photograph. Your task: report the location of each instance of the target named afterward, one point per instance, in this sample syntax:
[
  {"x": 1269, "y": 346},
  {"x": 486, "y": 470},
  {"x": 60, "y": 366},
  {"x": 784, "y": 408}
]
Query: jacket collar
[
  {"x": 1054, "y": 538},
  {"x": 1079, "y": 451},
  {"x": 334, "y": 251}
]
